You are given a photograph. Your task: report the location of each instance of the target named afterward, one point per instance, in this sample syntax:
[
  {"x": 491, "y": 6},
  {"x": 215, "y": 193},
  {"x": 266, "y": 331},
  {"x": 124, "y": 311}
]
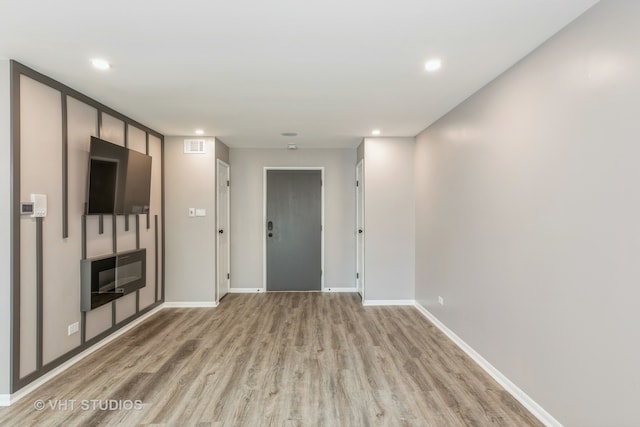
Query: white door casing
[
  {"x": 223, "y": 265},
  {"x": 360, "y": 228}
]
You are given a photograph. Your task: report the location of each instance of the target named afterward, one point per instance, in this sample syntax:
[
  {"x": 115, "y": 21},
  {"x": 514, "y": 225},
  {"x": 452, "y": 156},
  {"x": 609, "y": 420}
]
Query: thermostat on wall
[
  {"x": 39, "y": 205},
  {"x": 26, "y": 208}
]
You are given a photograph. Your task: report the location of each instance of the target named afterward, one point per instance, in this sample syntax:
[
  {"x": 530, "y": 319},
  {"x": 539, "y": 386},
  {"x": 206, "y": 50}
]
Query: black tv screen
[{"x": 119, "y": 179}]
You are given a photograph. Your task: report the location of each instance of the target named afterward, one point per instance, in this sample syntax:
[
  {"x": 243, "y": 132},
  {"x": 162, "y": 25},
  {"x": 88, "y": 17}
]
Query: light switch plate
[{"x": 201, "y": 212}]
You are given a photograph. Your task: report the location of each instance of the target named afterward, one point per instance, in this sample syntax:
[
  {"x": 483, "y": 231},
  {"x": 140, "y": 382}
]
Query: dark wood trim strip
[
  {"x": 99, "y": 130},
  {"x": 114, "y": 233},
  {"x": 84, "y": 236},
  {"x": 114, "y": 240},
  {"x": 83, "y": 314},
  {"x": 113, "y": 313},
  {"x": 114, "y": 222},
  {"x": 137, "y": 247},
  {"x": 83, "y": 327},
  {"x": 137, "y": 231},
  {"x": 39, "y": 292},
  {"x": 162, "y": 180},
  {"x": 126, "y": 144},
  {"x": 15, "y": 224},
  {"x": 147, "y": 153},
  {"x": 65, "y": 168},
  {"x": 155, "y": 241}
]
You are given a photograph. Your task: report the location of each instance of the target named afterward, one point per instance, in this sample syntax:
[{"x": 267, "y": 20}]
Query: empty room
[{"x": 356, "y": 213}]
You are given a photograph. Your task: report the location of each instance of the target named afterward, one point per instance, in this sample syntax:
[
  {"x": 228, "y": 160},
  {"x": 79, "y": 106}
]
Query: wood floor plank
[{"x": 278, "y": 359}]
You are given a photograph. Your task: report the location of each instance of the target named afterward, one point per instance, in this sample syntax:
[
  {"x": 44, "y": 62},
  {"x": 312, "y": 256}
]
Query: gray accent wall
[
  {"x": 52, "y": 155},
  {"x": 247, "y": 211},
  {"x": 5, "y": 227},
  {"x": 527, "y": 220},
  {"x": 389, "y": 219}
]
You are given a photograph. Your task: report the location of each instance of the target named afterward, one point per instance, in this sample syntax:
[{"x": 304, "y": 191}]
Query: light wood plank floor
[{"x": 278, "y": 359}]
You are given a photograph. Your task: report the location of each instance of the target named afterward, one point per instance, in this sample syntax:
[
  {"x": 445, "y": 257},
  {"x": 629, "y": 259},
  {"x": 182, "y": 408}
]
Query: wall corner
[{"x": 5, "y": 226}]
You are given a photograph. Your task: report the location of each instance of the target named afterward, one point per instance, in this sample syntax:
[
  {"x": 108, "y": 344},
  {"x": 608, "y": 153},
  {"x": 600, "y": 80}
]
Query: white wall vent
[{"x": 194, "y": 146}]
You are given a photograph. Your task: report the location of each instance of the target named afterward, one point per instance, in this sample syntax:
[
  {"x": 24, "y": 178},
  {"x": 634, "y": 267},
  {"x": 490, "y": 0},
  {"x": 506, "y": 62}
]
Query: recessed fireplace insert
[{"x": 106, "y": 278}]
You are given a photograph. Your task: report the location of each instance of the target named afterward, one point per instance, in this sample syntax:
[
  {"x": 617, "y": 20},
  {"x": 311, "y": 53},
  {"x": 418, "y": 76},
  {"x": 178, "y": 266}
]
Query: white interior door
[
  {"x": 360, "y": 228},
  {"x": 222, "y": 201}
]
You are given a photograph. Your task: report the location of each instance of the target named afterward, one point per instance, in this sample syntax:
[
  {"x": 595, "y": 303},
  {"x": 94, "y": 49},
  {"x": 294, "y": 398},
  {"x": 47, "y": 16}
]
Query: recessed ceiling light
[
  {"x": 376, "y": 132},
  {"x": 199, "y": 132},
  {"x": 433, "y": 64},
  {"x": 289, "y": 134},
  {"x": 100, "y": 64}
]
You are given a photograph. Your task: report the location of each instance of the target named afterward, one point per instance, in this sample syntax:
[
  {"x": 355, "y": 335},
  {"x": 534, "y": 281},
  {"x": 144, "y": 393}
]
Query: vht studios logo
[{"x": 88, "y": 405}]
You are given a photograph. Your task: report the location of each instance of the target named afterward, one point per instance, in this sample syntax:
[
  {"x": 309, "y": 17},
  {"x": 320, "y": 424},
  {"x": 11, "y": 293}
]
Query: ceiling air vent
[{"x": 194, "y": 146}]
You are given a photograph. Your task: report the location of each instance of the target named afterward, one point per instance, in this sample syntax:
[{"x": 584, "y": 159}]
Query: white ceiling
[{"x": 247, "y": 70}]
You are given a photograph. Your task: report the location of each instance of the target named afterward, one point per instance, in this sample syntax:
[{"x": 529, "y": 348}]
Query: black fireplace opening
[{"x": 107, "y": 278}]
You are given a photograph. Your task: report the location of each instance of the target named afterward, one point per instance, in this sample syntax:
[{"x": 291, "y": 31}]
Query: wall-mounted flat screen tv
[{"x": 119, "y": 180}]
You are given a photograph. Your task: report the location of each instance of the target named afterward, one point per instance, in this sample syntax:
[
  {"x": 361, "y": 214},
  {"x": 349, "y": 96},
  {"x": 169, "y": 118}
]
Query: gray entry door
[{"x": 294, "y": 230}]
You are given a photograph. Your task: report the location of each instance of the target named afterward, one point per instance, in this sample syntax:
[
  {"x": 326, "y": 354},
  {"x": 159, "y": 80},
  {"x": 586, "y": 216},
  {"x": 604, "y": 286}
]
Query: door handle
[
  {"x": 221, "y": 231},
  {"x": 270, "y": 226},
  {"x": 360, "y": 231}
]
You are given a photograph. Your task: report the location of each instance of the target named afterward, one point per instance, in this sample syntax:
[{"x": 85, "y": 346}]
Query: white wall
[
  {"x": 389, "y": 219},
  {"x": 5, "y": 228},
  {"x": 247, "y": 211},
  {"x": 528, "y": 220},
  {"x": 190, "y": 241}
]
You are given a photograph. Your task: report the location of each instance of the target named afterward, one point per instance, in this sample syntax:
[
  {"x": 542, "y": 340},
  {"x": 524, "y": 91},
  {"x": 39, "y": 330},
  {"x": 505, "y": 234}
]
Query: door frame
[
  {"x": 360, "y": 204},
  {"x": 264, "y": 218},
  {"x": 228, "y": 230}
]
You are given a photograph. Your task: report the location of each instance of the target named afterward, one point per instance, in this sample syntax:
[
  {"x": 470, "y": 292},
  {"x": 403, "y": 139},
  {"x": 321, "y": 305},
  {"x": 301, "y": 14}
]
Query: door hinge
[
  {"x": 228, "y": 276},
  {"x": 228, "y": 183},
  {"x": 357, "y": 275},
  {"x": 321, "y": 183},
  {"x": 357, "y": 183}
]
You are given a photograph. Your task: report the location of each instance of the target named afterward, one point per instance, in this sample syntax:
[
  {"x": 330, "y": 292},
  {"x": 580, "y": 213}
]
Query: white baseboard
[
  {"x": 190, "y": 304},
  {"x": 338, "y": 289},
  {"x": 259, "y": 290},
  {"x": 6, "y": 400},
  {"x": 245, "y": 290},
  {"x": 380, "y": 302},
  {"x": 536, "y": 410}
]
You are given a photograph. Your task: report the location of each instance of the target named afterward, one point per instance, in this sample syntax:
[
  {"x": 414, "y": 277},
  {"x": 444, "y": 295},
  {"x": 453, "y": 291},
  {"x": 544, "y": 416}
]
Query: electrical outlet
[
  {"x": 440, "y": 300},
  {"x": 72, "y": 328},
  {"x": 192, "y": 211}
]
